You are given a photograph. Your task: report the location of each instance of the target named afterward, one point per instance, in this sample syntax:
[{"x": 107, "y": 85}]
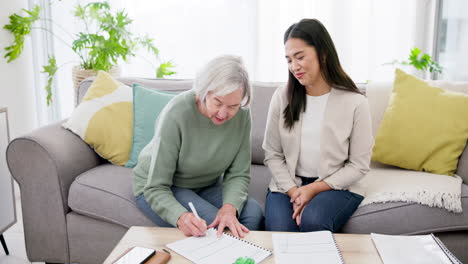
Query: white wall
[
  {"x": 16, "y": 93},
  {"x": 16, "y": 78},
  {"x": 189, "y": 33},
  {"x": 367, "y": 34}
]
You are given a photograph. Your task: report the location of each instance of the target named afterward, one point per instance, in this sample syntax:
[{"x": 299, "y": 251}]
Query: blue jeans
[
  {"x": 207, "y": 202},
  {"x": 328, "y": 210}
]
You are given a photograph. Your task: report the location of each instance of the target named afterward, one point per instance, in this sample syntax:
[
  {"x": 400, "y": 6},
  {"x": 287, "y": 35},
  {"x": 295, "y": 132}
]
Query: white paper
[
  {"x": 409, "y": 249},
  {"x": 311, "y": 247},
  {"x": 213, "y": 250}
]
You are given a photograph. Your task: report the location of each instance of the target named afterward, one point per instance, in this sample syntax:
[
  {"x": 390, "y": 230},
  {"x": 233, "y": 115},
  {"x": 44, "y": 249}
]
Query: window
[{"x": 452, "y": 39}]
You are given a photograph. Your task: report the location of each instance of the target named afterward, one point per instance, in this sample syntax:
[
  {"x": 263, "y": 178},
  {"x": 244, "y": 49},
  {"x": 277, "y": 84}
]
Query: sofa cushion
[
  {"x": 462, "y": 169},
  {"x": 105, "y": 192},
  {"x": 378, "y": 95},
  {"x": 262, "y": 93},
  {"x": 147, "y": 105},
  {"x": 259, "y": 181},
  {"x": 92, "y": 194},
  {"x": 104, "y": 119},
  {"x": 397, "y": 218},
  {"x": 424, "y": 127}
]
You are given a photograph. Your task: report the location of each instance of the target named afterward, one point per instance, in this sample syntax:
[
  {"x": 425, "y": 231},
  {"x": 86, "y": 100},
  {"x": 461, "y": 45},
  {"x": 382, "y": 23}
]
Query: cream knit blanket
[{"x": 390, "y": 184}]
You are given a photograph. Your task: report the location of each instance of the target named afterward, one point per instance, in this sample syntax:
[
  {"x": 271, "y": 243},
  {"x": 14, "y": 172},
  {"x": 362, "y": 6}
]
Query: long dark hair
[{"x": 314, "y": 33}]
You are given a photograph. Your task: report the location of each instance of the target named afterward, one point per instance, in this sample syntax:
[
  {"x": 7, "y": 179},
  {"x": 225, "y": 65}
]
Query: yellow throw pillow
[
  {"x": 424, "y": 128},
  {"x": 104, "y": 119}
]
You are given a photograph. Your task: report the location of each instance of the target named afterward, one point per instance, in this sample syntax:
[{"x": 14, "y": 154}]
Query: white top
[{"x": 309, "y": 153}]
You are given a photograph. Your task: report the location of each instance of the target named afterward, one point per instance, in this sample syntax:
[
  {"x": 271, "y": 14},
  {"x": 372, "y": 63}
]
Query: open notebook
[
  {"x": 425, "y": 249},
  {"x": 311, "y": 247},
  {"x": 211, "y": 249}
]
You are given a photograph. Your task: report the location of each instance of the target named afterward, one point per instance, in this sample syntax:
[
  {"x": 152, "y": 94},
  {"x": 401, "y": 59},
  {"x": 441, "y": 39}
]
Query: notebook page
[
  {"x": 409, "y": 249},
  {"x": 317, "y": 247},
  {"x": 213, "y": 250}
]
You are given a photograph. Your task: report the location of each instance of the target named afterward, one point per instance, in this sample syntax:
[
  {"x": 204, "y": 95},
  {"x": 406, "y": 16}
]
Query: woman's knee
[
  {"x": 316, "y": 222},
  {"x": 329, "y": 211},
  {"x": 278, "y": 213}
]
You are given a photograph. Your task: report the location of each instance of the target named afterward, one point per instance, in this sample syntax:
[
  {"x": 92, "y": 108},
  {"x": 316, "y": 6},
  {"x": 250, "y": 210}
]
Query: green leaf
[
  {"x": 164, "y": 69},
  {"x": 80, "y": 12},
  {"x": 50, "y": 69},
  {"x": 148, "y": 43},
  {"x": 20, "y": 27},
  {"x": 423, "y": 62},
  {"x": 98, "y": 6},
  {"x": 122, "y": 19},
  {"x": 95, "y": 9},
  {"x": 435, "y": 67},
  {"x": 415, "y": 52}
]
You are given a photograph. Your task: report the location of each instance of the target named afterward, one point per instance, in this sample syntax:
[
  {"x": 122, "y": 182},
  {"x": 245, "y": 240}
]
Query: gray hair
[{"x": 223, "y": 75}]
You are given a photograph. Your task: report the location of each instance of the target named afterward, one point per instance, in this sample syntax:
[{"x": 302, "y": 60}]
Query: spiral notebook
[
  {"x": 211, "y": 249},
  {"x": 300, "y": 248},
  {"x": 425, "y": 249}
]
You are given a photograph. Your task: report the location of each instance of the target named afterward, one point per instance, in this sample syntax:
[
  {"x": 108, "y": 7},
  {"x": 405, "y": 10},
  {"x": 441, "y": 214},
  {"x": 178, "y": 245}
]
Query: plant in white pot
[{"x": 105, "y": 42}]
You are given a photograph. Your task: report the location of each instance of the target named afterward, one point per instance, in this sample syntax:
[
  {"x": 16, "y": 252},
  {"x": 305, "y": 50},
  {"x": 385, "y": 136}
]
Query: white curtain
[{"x": 367, "y": 34}]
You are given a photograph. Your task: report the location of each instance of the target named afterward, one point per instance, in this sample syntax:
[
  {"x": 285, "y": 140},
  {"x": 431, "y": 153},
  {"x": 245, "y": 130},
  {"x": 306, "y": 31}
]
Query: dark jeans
[
  {"x": 207, "y": 202},
  {"x": 328, "y": 210}
]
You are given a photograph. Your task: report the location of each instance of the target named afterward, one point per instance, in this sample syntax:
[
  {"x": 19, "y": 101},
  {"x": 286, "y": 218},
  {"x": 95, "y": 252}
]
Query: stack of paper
[{"x": 297, "y": 248}]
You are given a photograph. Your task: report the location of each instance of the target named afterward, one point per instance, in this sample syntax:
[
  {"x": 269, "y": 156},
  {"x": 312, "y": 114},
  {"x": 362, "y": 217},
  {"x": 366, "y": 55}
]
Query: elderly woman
[{"x": 201, "y": 137}]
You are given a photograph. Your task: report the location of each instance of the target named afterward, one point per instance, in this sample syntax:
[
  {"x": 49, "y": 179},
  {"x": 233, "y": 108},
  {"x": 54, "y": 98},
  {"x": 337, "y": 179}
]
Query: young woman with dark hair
[{"x": 318, "y": 139}]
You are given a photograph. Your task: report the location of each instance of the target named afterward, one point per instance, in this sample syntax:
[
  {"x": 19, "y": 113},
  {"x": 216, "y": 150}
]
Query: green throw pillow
[
  {"x": 424, "y": 128},
  {"x": 147, "y": 105}
]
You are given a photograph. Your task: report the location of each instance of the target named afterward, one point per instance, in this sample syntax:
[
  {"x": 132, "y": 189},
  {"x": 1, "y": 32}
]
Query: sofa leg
[{"x": 4, "y": 244}]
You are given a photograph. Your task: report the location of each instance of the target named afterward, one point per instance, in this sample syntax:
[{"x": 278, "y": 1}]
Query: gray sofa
[{"x": 76, "y": 206}]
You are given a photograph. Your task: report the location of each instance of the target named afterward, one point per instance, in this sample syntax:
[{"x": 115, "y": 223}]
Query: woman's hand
[
  {"x": 190, "y": 225},
  {"x": 302, "y": 196},
  {"x": 291, "y": 191},
  {"x": 226, "y": 217},
  {"x": 299, "y": 216}
]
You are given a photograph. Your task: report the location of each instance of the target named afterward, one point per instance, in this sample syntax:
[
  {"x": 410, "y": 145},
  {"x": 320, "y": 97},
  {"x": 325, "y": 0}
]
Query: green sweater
[{"x": 189, "y": 151}]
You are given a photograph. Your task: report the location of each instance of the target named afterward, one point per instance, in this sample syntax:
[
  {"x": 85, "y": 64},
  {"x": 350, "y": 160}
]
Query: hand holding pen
[{"x": 191, "y": 224}]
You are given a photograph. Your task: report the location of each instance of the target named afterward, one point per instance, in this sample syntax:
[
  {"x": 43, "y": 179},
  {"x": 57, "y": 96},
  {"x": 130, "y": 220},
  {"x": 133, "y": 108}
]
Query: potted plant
[{"x": 105, "y": 42}]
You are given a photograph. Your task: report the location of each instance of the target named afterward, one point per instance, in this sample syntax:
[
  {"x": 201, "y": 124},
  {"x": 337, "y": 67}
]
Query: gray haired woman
[{"x": 201, "y": 136}]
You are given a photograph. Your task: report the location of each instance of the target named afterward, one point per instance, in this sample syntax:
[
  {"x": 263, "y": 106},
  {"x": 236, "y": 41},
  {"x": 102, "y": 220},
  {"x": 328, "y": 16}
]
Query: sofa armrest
[
  {"x": 462, "y": 169},
  {"x": 45, "y": 163}
]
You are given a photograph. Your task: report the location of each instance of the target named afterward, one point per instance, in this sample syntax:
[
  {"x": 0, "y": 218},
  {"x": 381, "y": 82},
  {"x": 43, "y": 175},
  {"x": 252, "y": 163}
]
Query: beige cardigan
[{"x": 345, "y": 148}]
